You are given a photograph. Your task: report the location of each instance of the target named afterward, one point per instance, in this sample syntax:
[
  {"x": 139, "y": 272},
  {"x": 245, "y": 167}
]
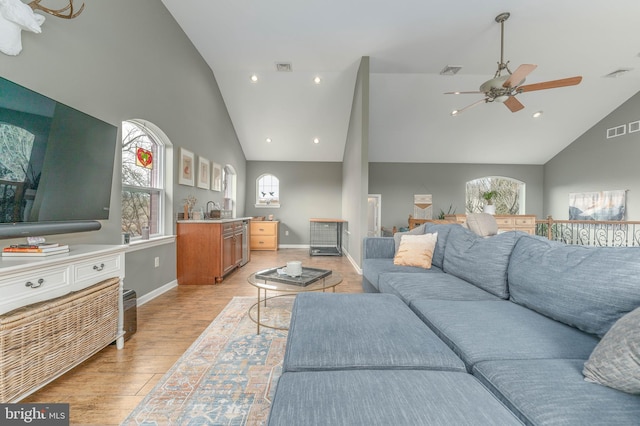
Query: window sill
[
  {"x": 267, "y": 206},
  {"x": 140, "y": 244}
]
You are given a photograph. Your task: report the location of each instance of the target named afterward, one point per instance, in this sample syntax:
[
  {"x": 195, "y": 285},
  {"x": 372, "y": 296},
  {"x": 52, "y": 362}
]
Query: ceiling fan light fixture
[
  {"x": 501, "y": 98},
  {"x": 618, "y": 73}
]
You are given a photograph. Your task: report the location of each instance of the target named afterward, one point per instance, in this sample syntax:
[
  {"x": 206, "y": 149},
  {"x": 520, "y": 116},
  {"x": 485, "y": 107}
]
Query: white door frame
[{"x": 378, "y": 215}]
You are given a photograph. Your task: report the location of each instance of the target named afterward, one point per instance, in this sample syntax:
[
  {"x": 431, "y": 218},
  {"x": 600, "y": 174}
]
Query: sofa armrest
[{"x": 379, "y": 248}]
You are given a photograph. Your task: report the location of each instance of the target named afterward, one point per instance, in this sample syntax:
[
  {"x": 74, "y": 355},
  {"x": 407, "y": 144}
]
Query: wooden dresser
[
  {"x": 518, "y": 222},
  {"x": 264, "y": 235},
  {"x": 521, "y": 222}
]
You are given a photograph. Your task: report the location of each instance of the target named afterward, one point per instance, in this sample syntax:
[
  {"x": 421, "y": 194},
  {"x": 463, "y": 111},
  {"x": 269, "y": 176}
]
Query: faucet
[{"x": 209, "y": 210}]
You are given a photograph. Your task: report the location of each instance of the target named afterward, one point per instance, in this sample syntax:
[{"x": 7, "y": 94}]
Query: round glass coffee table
[{"x": 279, "y": 285}]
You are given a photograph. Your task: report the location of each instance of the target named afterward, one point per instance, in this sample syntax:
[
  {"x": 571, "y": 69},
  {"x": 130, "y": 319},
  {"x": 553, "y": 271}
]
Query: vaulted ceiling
[{"x": 409, "y": 42}]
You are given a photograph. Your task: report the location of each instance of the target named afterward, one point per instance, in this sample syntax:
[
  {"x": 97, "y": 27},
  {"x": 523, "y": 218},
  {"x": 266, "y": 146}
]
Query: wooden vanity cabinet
[{"x": 207, "y": 251}]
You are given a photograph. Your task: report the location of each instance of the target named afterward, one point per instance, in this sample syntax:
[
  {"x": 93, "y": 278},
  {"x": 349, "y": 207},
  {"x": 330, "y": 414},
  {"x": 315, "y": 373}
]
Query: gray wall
[
  {"x": 594, "y": 163},
  {"x": 307, "y": 190},
  {"x": 398, "y": 182},
  {"x": 355, "y": 172},
  {"x": 122, "y": 60}
]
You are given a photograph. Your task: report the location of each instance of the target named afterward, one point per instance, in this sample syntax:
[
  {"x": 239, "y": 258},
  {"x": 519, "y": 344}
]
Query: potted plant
[{"x": 489, "y": 196}]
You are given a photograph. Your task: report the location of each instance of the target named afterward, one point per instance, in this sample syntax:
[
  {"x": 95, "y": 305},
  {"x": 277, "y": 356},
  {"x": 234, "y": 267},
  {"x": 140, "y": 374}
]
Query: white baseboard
[
  {"x": 293, "y": 246},
  {"x": 353, "y": 262},
  {"x": 306, "y": 246},
  {"x": 155, "y": 293}
]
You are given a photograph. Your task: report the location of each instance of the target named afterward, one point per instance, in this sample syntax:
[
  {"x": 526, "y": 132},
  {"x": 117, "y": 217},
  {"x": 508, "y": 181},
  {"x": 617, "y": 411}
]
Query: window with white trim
[
  {"x": 267, "y": 191},
  {"x": 509, "y": 195},
  {"x": 143, "y": 188}
]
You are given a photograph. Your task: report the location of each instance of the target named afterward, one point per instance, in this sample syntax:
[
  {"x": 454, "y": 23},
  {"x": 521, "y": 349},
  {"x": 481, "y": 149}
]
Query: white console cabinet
[{"x": 25, "y": 281}]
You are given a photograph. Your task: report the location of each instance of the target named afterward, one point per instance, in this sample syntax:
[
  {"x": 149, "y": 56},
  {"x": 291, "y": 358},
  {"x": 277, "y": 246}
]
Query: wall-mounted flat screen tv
[{"x": 56, "y": 163}]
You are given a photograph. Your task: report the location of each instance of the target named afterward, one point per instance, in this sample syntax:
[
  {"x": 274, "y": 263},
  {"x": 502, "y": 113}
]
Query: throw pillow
[
  {"x": 482, "y": 224},
  {"x": 418, "y": 230},
  {"x": 416, "y": 250},
  {"x": 615, "y": 362}
]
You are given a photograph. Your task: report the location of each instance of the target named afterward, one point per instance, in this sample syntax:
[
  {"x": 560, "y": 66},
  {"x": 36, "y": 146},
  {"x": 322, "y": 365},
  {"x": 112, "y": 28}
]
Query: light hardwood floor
[{"x": 106, "y": 388}]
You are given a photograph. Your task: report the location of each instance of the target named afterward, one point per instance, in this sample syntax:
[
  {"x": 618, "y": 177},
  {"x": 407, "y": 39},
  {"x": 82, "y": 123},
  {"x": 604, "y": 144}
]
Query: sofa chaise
[{"x": 510, "y": 329}]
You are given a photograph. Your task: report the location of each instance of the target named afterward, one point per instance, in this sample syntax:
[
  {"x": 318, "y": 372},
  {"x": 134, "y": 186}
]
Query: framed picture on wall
[
  {"x": 204, "y": 173},
  {"x": 216, "y": 177},
  {"x": 187, "y": 166}
]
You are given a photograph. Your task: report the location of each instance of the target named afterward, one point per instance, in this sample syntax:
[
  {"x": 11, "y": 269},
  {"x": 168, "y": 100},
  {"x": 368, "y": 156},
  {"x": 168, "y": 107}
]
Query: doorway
[{"x": 374, "y": 213}]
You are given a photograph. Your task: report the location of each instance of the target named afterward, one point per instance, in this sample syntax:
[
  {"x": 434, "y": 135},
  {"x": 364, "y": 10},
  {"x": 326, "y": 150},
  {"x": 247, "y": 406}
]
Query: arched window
[
  {"x": 267, "y": 191},
  {"x": 508, "y": 195},
  {"x": 143, "y": 174}
]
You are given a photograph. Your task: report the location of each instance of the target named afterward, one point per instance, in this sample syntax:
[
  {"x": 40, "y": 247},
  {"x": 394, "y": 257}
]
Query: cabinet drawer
[
  {"x": 263, "y": 229},
  {"x": 525, "y": 221},
  {"x": 263, "y": 242},
  {"x": 99, "y": 268},
  {"x": 34, "y": 287},
  {"x": 502, "y": 221}
]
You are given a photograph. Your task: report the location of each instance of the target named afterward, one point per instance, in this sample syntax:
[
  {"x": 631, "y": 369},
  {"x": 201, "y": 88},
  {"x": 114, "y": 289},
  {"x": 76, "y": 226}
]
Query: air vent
[
  {"x": 450, "y": 70},
  {"x": 618, "y": 73},
  {"x": 284, "y": 67},
  {"x": 616, "y": 131},
  {"x": 634, "y": 126}
]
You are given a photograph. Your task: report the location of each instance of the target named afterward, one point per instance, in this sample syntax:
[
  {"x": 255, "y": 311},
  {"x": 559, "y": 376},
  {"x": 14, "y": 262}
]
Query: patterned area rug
[{"x": 226, "y": 377}]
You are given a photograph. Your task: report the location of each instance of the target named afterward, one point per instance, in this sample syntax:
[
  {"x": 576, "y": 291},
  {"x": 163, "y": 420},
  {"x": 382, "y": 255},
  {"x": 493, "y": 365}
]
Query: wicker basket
[{"x": 41, "y": 341}]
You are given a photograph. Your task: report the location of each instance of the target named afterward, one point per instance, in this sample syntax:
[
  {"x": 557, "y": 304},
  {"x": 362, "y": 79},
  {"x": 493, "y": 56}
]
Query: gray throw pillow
[
  {"x": 615, "y": 362},
  {"x": 418, "y": 230}
]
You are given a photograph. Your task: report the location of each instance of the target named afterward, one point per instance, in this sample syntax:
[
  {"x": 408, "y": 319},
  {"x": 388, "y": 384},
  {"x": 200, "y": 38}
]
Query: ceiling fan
[{"x": 504, "y": 88}]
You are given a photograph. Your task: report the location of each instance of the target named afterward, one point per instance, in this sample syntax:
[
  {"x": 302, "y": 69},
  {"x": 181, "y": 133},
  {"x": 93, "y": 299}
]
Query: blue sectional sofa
[{"x": 497, "y": 331}]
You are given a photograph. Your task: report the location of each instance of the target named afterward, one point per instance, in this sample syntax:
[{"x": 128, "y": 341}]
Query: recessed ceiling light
[
  {"x": 268, "y": 140},
  {"x": 316, "y": 140},
  {"x": 254, "y": 78},
  {"x": 317, "y": 80},
  {"x": 538, "y": 114},
  {"x": 454, "y": 112}
]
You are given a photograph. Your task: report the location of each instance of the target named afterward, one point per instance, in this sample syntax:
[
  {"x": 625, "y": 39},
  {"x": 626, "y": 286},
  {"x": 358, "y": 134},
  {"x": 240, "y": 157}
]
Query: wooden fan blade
[
  {"x": 513, "y": 104},
  {"x": 571, "y": 81},
  {"x": 463, "y": 93},
  {"x": 519, "y": 75},
  {"x": 481, "y": 101}
]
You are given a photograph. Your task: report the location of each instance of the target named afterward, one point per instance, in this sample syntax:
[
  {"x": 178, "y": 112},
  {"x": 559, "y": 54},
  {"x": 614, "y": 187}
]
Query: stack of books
[{"x": 26, "y": 250}]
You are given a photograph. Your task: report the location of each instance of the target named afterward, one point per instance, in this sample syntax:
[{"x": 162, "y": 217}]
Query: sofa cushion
[
  {"x": 372, "y": 268},
  {"x": 443, "y": 234},
  {"x": 615, "y": 362},
  {"x": 553, "y": 392},
  {"x": 385, "y": 397},
  {"x": 410, "y": 287},
  {"x": 586, "y": 287},
  {"x": 483, "y": 224},
  {"x": 481, "y": 261},
  {"x": 416, "y": 250},
  {"x": 361, "y": 331},
  {"x": 490, "y": 330}
]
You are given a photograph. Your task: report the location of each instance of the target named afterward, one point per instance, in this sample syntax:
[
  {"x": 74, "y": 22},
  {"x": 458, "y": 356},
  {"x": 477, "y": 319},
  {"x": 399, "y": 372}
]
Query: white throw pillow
[{"x": 416, "y": 250}]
